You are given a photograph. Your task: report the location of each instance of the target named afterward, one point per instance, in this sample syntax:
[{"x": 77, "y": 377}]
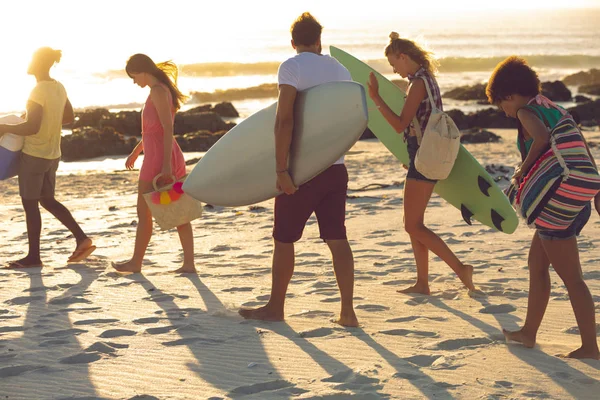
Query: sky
[{"x": 101, "y": 35}]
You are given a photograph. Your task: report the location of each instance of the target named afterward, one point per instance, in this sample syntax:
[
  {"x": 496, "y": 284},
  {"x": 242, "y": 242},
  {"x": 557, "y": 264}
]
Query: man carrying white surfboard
[{"x": 325, "y": 195}]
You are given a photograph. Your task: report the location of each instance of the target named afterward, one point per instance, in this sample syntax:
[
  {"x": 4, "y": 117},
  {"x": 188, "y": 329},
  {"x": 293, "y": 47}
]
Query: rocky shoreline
[{"x": 99, "y": 132}]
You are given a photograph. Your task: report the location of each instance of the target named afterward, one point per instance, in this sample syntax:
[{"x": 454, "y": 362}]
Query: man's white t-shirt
[{"x": 306, "y": 70}]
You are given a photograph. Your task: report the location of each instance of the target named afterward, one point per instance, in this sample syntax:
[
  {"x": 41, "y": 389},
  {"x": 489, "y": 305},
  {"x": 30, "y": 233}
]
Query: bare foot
[
  {"x": 519, "y": 336},
  {"x": 582, "y": 353},
  {"x": 347, "y": 319},
  {"x": 466, "y": 276},
  {"x": 416, "y": 289},
  {"x": 186, "y": 269},
  {"x": 27, "y": 262},
  {"x": 264, "y": 313},
  {"x": 127, "y": 267}
]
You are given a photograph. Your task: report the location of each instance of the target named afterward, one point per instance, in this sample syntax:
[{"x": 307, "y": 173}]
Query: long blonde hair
[{"x": 417, "y": 53}]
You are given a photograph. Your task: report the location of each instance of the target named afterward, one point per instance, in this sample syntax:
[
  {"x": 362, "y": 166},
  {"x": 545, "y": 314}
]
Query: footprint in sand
[
  {"x": 224, "y": 247},
  {"x": 417, "y": 300},
  {"x": 98, "y": 321},
  {"x": 415, "y": 317},
  {"x": 536, "y": 394},
  {"x": 372, "y": 307},
  {"x": 69, "y": 300},
  {"x": 422, "y": 360},
  {"x": 349, "y": 380},
  {"x": 18, "y": 370},
  {"x": 19, "y": 301},
  {"x": 53, "y": 342},
  {"x": 498, "y": 309},
  {"x": 574, "y": 330},
  {"x": 113, "y": 333},
  {"x": 409, "y": 333},
  {"x": 191, "y": 340},
  {"x": 320, "y": 332},
  {"x": 161, "y": 329},
  {"x": 4, "y": 329},
  {"x": 238, "y": 289},
  {"x": 456, "y": 344},
  {"x": 313, "y": 314},
  {"x": 64, "y": 332},
  {"x": 503, "y": 384},
  {"x": 81, "y": 358},
  {"x": 259, "y": 388}
]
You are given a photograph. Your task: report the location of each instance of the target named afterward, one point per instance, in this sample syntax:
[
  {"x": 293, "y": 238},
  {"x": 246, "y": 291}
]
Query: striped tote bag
[{"x": 560, "y": 183}]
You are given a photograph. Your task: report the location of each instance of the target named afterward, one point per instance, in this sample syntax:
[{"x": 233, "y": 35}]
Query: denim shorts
[
  {"x": 573, "y": 230},
  {"x": 412, "y": 145}
]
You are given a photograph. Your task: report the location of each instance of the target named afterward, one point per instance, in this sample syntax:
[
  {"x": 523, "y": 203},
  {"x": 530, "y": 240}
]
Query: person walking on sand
[
  {"x": 48, "y": 108},
  {"x": 408, "y": 59},
  {"x": 515, "y": 88},
  {"x": 325, "y": 195},
  {"x": 162, "y": 155}
]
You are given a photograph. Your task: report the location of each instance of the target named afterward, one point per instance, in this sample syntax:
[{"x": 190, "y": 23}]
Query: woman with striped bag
[{"x": 552, "y": 190}]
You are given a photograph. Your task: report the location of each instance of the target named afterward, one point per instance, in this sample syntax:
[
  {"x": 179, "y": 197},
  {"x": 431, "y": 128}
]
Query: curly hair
[{"x": 512, "y": 76}]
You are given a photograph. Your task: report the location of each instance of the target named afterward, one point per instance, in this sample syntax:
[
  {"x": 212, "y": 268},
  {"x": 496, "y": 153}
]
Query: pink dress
[{"x": 152, "y": 137}]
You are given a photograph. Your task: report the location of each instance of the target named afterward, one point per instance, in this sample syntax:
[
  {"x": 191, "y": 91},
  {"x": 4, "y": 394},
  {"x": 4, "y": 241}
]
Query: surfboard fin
[
  {"x": 497, "y": 219},
  {"x": 484, "y": 185},
  {"x": 466, "y": 213}
]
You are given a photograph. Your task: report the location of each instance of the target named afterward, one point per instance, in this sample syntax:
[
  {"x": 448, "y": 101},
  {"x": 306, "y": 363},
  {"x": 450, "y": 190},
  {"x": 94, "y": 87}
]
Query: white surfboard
[
  {"x": 240, "y": 168},
  {"x": 10, "y": 149}
]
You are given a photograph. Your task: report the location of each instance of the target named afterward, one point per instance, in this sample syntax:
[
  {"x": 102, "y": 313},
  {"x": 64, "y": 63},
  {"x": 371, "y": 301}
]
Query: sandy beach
[{"x": 82, "y": 331}]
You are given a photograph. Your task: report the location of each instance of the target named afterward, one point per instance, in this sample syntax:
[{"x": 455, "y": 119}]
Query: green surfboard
[{"x": 469, "y": 187}]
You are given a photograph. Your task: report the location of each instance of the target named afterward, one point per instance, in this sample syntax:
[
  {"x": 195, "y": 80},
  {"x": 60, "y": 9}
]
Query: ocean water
[{"x": 556, "y": 43}]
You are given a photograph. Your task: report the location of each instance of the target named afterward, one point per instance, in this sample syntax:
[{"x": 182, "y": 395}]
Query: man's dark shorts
[
  {"x": 325, "y": 195},
  {"x": 37, "y": 177}
]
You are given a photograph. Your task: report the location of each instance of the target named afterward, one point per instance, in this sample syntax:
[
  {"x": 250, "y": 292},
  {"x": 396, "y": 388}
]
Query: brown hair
[
  {"x": 512, "y": 76},
  {"x": 306, "y": 30},
  {"x": 46, "y": 57},
  {"x": 417, "y": 53},
  {"x": 164, "y": 72}
]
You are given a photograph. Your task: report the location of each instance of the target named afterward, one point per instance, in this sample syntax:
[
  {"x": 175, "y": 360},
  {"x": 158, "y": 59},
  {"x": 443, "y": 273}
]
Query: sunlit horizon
[{"x": 99, "y": 38}]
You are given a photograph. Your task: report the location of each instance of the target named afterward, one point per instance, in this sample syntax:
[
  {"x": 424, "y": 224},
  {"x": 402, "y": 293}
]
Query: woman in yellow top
[{"x": 48, "y": 108}]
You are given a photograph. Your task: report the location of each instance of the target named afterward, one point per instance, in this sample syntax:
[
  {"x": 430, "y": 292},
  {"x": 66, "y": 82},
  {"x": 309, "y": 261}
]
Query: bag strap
[{"x": 433, "y": 106}]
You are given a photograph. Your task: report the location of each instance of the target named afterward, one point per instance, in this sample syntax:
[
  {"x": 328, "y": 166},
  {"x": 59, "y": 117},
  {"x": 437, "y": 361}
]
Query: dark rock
[
  {"x": 475, "y": 92},
  {"x": 199, "y": 109},
  {"x": 203, "y": 117},
  {"x": 209, "y": 121},
  {"x": 198, "y": 141},
  {"x": 226, "y": 110},
  {"x": 90, "y": 117},
  {"x": 592, "y": 88},
  {"x": 86, "y": 143},
  {"x": 556, "y": 91},
  {"x": 589, "y": 111},
  {"x": 193, "y": 161},
  {"x": 490, "y": 118},
  {"x": 487, "y": 118},
  {"x": 401, "y": 83},
  {"x": 581, "y": 99},
  {"x": 478, "y": 136},
  {"x": 459, "y": 118},
  {"x": 583, "y": 78},
  {"x": 126, "y": 122},
  {"x": 367, "y": 134}
]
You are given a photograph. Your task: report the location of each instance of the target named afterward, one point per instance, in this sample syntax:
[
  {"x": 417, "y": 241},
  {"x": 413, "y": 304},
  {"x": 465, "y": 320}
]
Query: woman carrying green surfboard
[{"x": 409, "y": 60}]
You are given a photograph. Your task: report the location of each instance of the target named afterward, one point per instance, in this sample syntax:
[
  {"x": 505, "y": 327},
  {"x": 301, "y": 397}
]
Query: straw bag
[{"x": 170, "y": 206}]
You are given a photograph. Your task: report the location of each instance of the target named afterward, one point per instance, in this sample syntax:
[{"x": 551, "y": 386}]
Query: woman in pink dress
[{"x": 162, "y": 155}]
